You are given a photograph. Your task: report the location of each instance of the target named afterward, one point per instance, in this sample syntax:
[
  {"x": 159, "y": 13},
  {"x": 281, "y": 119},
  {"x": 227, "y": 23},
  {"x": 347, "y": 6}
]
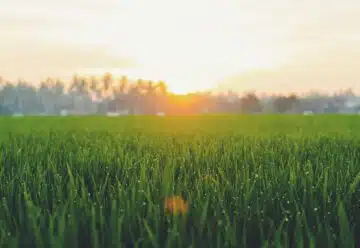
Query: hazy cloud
[{"x": 309, "y": 43}]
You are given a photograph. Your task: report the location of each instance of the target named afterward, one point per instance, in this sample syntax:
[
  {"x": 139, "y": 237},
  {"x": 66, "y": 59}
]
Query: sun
[
  {"x": 186, "y": 83},
  {"x": 180, "y": 89}
]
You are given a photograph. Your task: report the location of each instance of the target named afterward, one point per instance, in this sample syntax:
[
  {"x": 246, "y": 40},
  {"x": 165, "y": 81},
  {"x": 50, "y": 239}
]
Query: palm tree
[
  {"x": 79, "y": 86},
  {"x": 5, "y": 93},
  {"x": 94, "y": 87},
  {"x": 107, "y": 80},
  {"x": 135, "y": 96},
  {"x": 79, "y": 93},
  {"x": 59, "y": 87},
  {"x": 150, "y": 88},
  {"x": 45, "y": 93},
  {"x": 151, "y": 98},
  {"x": 120, "y": 96},
  {"x": 162, "y": 88},
  {"x": 124, "y": 81},
  {"x": 162, "y": 96},
  {"x": 59, "y": 96}
]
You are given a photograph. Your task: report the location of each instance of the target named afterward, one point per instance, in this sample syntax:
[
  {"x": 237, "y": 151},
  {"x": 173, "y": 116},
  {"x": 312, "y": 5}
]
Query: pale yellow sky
[{"x": 191, "y": 44}]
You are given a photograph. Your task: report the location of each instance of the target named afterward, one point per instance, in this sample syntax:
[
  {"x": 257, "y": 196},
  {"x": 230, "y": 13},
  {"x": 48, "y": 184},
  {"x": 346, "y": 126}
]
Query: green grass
[{"x": 251, "y": 181}]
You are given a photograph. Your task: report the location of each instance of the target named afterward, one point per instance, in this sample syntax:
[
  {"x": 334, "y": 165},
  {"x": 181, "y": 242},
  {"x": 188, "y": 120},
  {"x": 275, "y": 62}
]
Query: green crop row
[{"x": 249, "y": 181}]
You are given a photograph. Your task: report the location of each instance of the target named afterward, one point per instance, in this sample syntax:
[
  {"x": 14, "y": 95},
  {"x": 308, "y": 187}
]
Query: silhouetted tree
[
  {"x": 121, "y": 98},
  {"x": 79, "y": 86},
  {"x": 162, "y": 96},
  {"x": 135, "y": 97},
  {"x": 5, "y": 110},
  {"x": 107, "y": 81},
  {"x": 284, "y": 104},
  {"x": 93, "y": 95},
  {"x": 95, "y": 87},
  {"x": 162, "y": 88},
  {"x": 150, "y": 106},
  {"x": 250, "y": 103}
]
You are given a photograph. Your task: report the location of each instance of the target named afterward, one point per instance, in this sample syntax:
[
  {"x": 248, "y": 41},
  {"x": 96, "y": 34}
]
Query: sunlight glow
[{"x": 191, "y": 45}]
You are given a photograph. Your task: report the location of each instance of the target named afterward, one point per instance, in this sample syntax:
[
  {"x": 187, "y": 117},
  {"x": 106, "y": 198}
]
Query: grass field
[{"x": 250, "y": 181}]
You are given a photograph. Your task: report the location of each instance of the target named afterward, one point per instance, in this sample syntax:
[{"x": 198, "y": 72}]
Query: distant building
[
  {"x": 18, "y": 114},
  {"x": 308, "y": 112},
  {"x": 112, "y": 114},
  {"x": 351, "y": 106},
  {"x": 64, "y": 112}
]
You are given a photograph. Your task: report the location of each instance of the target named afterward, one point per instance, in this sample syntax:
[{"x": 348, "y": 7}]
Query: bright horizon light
[{"x": 177, "y": 86}]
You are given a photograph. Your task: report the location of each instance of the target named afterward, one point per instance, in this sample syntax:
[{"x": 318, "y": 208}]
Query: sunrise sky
[{"x": 266, "y": 45}]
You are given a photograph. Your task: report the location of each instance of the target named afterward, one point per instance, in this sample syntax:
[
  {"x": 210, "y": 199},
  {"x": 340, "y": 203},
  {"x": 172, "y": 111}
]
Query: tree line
[{"x": 101, "y": 95}]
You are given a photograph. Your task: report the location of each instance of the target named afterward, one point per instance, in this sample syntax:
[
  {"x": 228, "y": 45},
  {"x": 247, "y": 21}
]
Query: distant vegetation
[
  {"x": 239, "y": 181},
  {"x": 99, "y": 96}
]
